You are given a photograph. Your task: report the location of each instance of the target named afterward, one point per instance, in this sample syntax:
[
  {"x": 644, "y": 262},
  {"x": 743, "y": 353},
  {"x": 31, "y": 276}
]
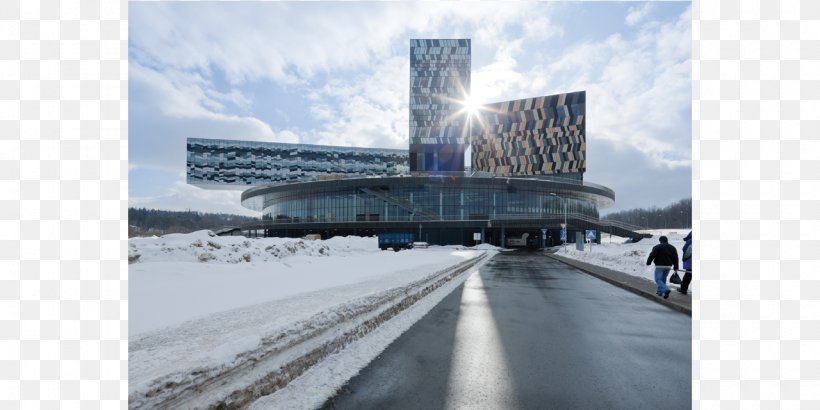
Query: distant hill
[
  {"x": 677, "y": 215},
  {"x": 143, "y": 222}
]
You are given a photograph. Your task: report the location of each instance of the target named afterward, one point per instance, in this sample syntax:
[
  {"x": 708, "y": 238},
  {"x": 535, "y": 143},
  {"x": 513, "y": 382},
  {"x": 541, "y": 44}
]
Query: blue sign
[
  {"x": 591, "y": 234},
  {"x": 564, "y": 234}
]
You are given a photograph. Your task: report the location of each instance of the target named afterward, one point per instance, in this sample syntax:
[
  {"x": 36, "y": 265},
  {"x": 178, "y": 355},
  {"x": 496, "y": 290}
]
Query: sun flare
[{"x": 470, "y": 105}]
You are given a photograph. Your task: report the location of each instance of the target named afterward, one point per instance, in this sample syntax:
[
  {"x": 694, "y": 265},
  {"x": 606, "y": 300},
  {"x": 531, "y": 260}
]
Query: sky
[{"x": 337, "y": 73}]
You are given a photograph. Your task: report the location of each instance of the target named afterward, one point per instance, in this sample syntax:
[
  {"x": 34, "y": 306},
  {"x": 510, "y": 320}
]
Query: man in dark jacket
[
  {"x": 665, "y": 257},
  {"x": 687, "y": 263}
]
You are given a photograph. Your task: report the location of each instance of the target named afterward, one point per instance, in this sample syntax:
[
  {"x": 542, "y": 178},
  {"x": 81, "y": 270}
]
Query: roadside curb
[{"x": 639, "y": 286}]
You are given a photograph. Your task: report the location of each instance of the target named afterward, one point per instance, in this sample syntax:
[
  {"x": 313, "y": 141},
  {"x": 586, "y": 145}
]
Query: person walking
[
  {"x": 665, "y": 257},
  {"x": 687, "y": 264}
]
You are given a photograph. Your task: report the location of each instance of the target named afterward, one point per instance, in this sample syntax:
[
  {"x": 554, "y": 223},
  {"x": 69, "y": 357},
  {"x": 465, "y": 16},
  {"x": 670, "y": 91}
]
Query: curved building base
[{"x": 438, "y": 209}]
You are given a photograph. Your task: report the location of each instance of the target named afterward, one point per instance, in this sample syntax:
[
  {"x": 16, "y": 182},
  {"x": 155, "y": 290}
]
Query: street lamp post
[
  {"x": 566, "y": 236},
  {"x": 565, "y": 210}
]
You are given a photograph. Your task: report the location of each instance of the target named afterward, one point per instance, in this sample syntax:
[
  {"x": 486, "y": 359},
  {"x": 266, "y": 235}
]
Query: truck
[{"x": 397, "y": 241}]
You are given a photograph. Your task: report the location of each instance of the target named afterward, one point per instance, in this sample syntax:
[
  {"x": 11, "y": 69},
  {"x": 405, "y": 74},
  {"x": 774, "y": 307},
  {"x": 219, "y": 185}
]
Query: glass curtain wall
[{"x": 445, "y": 202}]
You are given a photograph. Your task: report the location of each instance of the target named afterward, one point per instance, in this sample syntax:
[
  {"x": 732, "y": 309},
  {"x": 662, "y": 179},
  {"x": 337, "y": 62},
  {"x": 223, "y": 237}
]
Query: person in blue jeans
[{"x": 665, "y": 257}]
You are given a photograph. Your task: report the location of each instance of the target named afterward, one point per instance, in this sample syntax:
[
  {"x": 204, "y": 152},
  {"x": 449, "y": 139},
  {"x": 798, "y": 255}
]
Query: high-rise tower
[{"x": 439, "y": 81}]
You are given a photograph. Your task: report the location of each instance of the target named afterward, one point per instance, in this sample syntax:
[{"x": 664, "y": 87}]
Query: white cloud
[
  {"x": 493, "y": 82},
  {"x": 187, "y": 43},
  {"x": 285, "y": 42},
  {"x": 289, "y": 42},
  {"x": 638, "y": 14},
  {"x": 166, "y": 108},
  {"x": 181, "y": 196},
  {"x": 369, "y": 110},
  {"x": 638, "y": 88},
  {"x": 349, "y": 61}
]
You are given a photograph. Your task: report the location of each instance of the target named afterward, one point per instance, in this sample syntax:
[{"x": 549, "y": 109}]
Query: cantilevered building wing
[
  {"x": 234, "y": 164},
  {"x": 534, "y": 136},
  {"x": 439, "y": 79}
]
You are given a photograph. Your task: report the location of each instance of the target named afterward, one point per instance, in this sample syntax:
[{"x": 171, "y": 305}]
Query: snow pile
[
  {"x": 485, "y": 247},
  {"x": 204, "y": 246},
  {"x": 628, "y": 258},
  {"x": 255, "y": 345}
]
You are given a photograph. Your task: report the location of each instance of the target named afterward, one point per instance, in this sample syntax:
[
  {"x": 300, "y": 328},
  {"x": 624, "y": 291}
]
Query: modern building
[
  {"x": 439, "y": 81},
  {"x": 534, "y": 136},
  {"x": 230, "y": 164},
  {"x": 526, "y": 180}
]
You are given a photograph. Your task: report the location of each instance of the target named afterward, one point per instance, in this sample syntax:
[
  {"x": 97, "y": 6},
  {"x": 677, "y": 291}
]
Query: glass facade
[
  {"x": 214, "y": 162},
  {"x": 532, "y": 136},
  {"x": 439, "y": 81},
  {"x": 461, "y": 200}
]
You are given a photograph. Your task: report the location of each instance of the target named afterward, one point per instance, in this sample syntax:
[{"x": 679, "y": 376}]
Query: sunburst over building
[{"x": 525, "y": 180}]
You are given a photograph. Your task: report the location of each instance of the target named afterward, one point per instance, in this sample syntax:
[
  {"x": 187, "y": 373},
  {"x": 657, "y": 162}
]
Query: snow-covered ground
[
  {"x": 215, "y": 313},
  {"x": 202, "y": 307},
  {"x": 629, "y": 258},
  {"x": 169, "y": 284}
]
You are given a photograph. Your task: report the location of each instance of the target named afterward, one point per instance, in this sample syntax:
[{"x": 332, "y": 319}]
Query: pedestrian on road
[
  {"x": 665, "y": 257},
  {"x": 687, "y": 264}
]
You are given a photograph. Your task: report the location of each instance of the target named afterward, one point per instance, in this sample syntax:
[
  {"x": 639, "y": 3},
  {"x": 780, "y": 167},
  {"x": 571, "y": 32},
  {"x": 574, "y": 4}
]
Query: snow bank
[
  {"x": 204, "y": 246},
  {"x": 190, "y": 319},
  {"x": 179, "y": 277},
  {"x": 485, "y": 247}
]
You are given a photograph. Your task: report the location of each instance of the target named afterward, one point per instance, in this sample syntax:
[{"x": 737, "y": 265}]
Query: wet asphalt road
[{"x": 528, "y": 332}]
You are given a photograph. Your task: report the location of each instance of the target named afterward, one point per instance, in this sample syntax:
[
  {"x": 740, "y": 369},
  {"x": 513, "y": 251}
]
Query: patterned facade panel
[
  {"x": 533, "y": 136},
  {"x": 439, "y": 79},
  {"x": 215, "y": 163}
]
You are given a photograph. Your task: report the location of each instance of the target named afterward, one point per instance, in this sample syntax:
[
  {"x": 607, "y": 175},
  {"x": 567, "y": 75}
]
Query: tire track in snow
[{"x": 283, "y": 357}]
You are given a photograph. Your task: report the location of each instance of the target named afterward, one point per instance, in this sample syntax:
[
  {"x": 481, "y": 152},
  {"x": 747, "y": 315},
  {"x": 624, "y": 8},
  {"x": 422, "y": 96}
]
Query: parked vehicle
[
  {"x": 522, "y": 241},
  {"x": 397, "y": 241}
]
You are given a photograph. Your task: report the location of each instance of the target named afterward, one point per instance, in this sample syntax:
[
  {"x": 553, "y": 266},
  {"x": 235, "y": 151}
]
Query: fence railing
[{"x": 437, "y": 174}]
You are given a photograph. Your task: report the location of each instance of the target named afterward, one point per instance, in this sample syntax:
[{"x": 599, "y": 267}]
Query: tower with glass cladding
[{"x": 439, "y": 81}]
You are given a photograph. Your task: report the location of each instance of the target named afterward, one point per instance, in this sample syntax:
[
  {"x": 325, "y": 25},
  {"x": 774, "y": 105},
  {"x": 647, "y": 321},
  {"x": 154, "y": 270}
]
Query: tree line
[
  {"x": 143, "y": 221},
  {"x": 676, "y": 215}
]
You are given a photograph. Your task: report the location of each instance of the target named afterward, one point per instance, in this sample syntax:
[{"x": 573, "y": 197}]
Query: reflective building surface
[
  {"x": 215, "y": 163},
  {"x": 534, "y": 136},
  {"x": 447, "y": 209},
  {"x": 439, "y": 81}
]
